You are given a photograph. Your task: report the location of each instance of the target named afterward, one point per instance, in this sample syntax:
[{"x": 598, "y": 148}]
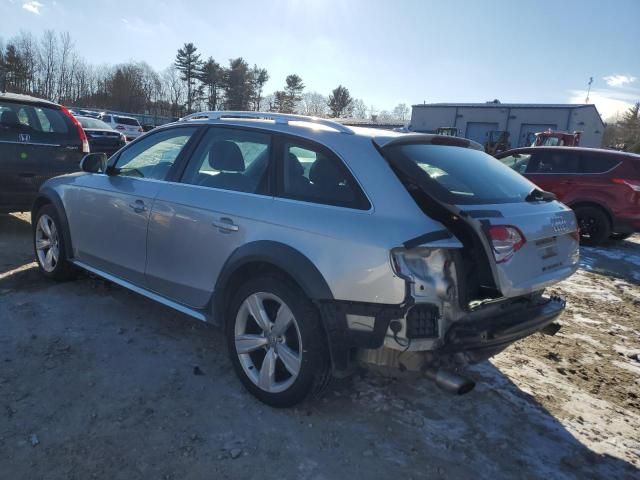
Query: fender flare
[
  {"x": 286, "y": 258},
  {"x": 48, "y": 195}
]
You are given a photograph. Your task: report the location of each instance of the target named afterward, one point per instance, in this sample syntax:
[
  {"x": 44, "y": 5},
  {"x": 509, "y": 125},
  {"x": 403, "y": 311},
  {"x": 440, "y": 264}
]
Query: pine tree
[
  {"x": 188, "y": 63},
  {"x": 238, "y": 85},
  {"x": 212, "y": 77},
  {"x": 340, "y": 102},
  {"x": 292, "y": 93},
  {"x": 259, "y": 76}
]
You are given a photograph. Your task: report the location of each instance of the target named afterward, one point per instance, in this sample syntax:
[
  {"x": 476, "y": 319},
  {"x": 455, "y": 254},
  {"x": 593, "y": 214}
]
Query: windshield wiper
[{"x": 537, "y": 195}]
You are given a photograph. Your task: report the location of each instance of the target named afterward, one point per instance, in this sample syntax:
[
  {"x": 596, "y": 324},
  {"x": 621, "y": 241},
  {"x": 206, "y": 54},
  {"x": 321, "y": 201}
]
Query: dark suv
[
  {"x": 602, "y": 186},
  {"x": 38, "y": 140}
]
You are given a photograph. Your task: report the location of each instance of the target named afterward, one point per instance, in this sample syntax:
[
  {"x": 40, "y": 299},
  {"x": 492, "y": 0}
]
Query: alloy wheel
[
  {"x": 47, "y": 243},
  {"x": 268, "y": 342}
]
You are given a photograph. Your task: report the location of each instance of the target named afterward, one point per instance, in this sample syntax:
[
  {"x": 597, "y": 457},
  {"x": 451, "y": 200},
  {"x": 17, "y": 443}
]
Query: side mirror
[{"x": 94, "y": 163}]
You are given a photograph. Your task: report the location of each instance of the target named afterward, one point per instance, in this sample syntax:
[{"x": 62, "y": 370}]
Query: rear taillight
[
  {"x": 120, "y": 127},
  {"x": 81, "y": 132},
  {"x": 140, "y": 129},
  {"x": 632, "y": 184},
  {"x": 506, "y": 240}
]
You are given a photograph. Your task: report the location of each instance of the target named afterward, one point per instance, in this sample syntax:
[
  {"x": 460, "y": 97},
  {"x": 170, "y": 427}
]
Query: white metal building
[{"x": 521, "y": 120}]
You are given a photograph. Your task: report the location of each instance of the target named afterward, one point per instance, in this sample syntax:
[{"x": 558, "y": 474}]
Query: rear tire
[
  {"x": 49, "y": 245},
  {"x": 620, "y": 236},
  {"x": 281, "y": 357},
  {"x": 595, "y": 227}
]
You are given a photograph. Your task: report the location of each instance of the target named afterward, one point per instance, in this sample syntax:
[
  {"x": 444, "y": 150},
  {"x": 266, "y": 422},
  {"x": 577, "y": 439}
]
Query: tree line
[
  {"x": 50, "y": 67},
  {"x": 624, "y": 132}
]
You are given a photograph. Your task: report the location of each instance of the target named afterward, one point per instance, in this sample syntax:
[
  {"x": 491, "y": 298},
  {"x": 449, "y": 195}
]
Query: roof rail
[{"x": 281, "y": 118}]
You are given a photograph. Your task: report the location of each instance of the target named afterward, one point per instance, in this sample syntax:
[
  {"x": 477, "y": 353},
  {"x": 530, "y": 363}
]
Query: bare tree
[
  {"x": 48, "y": 65},
  {"x": 401, "y": 112},
  {"x": 314, "y": 104},
  {"x": 360, "y": 109},
  {"x": 174, "y": 88}
]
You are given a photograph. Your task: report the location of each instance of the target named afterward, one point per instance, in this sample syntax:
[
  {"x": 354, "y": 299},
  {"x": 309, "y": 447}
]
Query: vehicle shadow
[
  {"x": 15, "y": 242},
  {"x": 496, "y": 431}
]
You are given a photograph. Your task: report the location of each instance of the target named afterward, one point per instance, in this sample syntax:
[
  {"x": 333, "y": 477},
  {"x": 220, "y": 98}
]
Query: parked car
[
  {"x": 602, "y": 186},
  {"x": 127, "y": 125},
  {"x": 38, "y": 140},
  {"x": 77, "y": 112},
  {"x": 102, "y": 138},
  {"x": 317, "y": 246}
]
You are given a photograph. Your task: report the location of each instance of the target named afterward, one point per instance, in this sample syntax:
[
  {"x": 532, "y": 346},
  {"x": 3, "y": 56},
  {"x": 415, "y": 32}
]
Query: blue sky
[{"x": 385, "y": 52}]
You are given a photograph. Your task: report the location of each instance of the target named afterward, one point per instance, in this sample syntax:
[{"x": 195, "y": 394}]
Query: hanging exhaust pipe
[{"x": 449, "y": 381}]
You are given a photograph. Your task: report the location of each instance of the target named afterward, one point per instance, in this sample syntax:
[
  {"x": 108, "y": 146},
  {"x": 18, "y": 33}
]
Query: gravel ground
[{"x": 98, "y": 382}]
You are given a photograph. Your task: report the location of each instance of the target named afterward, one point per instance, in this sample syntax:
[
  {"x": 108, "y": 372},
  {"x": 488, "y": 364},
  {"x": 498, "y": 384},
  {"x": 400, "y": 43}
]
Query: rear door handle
[
  {"x": 225, "y": 224},
  {"x": 138, "y": 206}
]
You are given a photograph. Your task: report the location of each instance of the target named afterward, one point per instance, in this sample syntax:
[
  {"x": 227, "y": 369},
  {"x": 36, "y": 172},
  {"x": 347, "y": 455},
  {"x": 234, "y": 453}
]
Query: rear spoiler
[{"x": 426, "y": 138}]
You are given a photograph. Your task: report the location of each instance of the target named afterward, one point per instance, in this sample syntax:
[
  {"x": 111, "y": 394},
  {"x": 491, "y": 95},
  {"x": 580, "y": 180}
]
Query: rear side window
[
  {"x": 106, "y": 118},
  {"x": 463, "y": 176},
  {"x": 31, "y": 119},
  {"x": 127, "y": 121},
  {"x": 231, "y": 159},
  {"x": 314, "y": 174},
  {"x": 554, "y": 162},
  {"x": 597, "y": 163}
]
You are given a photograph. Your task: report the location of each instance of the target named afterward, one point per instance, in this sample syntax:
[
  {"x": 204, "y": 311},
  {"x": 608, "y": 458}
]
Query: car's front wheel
[
  {"x": 49, "y": 245},
  {"x": 276, "y": 342}
]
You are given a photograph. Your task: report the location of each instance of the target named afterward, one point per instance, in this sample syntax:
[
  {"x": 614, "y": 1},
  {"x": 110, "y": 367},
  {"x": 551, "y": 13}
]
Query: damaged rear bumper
[
  {"x": 481, "y": 338},
  {"x": 481, "y": 334}
]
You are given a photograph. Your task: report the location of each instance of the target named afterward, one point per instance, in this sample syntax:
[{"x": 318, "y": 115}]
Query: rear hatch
[
  {"x": 529, "y": 239},
  {"x": 129, "y": 126}
]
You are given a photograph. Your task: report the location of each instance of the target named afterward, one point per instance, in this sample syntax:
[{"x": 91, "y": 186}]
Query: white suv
[
  {"x": 128, "y": 126},
  {"x": 315, "y": 246}
]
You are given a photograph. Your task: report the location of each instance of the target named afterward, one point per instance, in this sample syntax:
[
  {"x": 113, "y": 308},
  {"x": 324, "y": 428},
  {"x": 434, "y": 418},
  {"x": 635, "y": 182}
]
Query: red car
[{"x": 602, "y": 186}]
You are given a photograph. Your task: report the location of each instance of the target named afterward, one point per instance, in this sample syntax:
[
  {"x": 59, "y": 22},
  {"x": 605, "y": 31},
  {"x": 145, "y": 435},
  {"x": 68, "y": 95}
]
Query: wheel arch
[
  {"x": 48, "y": 196},
  {"x": 267, "y": 256}
]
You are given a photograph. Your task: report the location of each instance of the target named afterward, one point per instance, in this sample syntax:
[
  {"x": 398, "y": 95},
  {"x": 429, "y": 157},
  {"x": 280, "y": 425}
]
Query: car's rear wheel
[
  {"x": 620, "y": 236},
  {"x": 276, "y": 342},
  {"x": 594, "y": 225},
  {"x": 49, "y": 245}
]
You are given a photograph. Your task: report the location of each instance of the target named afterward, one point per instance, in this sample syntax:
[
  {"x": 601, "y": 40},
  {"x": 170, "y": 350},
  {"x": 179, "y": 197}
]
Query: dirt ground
[{"x": 98, "y": 382}]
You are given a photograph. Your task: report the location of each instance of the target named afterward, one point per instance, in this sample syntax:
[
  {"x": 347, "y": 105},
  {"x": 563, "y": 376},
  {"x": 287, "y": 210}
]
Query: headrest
[
  {"x": 295, "y": 167},
  {"x": 226, "y": 156},
  {"x": 324, "y": 172},
  {"x": 9, "y": 117}
]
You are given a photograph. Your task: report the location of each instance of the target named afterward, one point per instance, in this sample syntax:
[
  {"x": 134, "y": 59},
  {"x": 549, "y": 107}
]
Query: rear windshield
[
  {"x": 25, "y": 118},
  {"x": 87, "y": 122},
  {"x": 126, "y": 121},
  {"x": 463, "y": 176}
]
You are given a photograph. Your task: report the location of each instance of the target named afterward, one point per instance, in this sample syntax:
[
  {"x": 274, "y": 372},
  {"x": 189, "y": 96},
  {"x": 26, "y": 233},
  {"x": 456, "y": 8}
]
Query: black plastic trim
[
  {"x": 428, "y": 237},
  {"x": 282, "y": 256},
  {"x": 51, "y": 196}
]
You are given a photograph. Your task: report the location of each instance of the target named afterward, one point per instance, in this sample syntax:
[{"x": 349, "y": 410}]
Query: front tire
[
  {"x": 594, "y": 224},
  {"x": 276, "y": 341},
  {"x": 49, "y": 245}
]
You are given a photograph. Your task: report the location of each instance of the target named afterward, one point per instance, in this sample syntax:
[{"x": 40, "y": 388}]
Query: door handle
[
  {"x": 225, "y": 224},
  {"x": 138, "y": 206}
]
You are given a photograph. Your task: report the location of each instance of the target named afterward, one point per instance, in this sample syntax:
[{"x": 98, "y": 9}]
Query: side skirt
[{"x": 143, "y": 291}]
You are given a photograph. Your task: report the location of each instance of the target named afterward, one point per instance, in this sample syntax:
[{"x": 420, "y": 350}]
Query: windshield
[
  {"x": 93, "y": 123},
  {"x": 464, "y": 176}
]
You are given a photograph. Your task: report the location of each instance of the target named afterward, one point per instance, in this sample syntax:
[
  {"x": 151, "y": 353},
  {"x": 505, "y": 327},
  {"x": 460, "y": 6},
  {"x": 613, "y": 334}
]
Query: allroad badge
[
  {"x": 559, "y": 224},
  {"x": 24, "y": 137}
]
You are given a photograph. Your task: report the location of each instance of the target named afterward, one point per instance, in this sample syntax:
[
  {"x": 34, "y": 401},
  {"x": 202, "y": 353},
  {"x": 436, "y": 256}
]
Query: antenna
[{"x": 586, "y": 100}]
